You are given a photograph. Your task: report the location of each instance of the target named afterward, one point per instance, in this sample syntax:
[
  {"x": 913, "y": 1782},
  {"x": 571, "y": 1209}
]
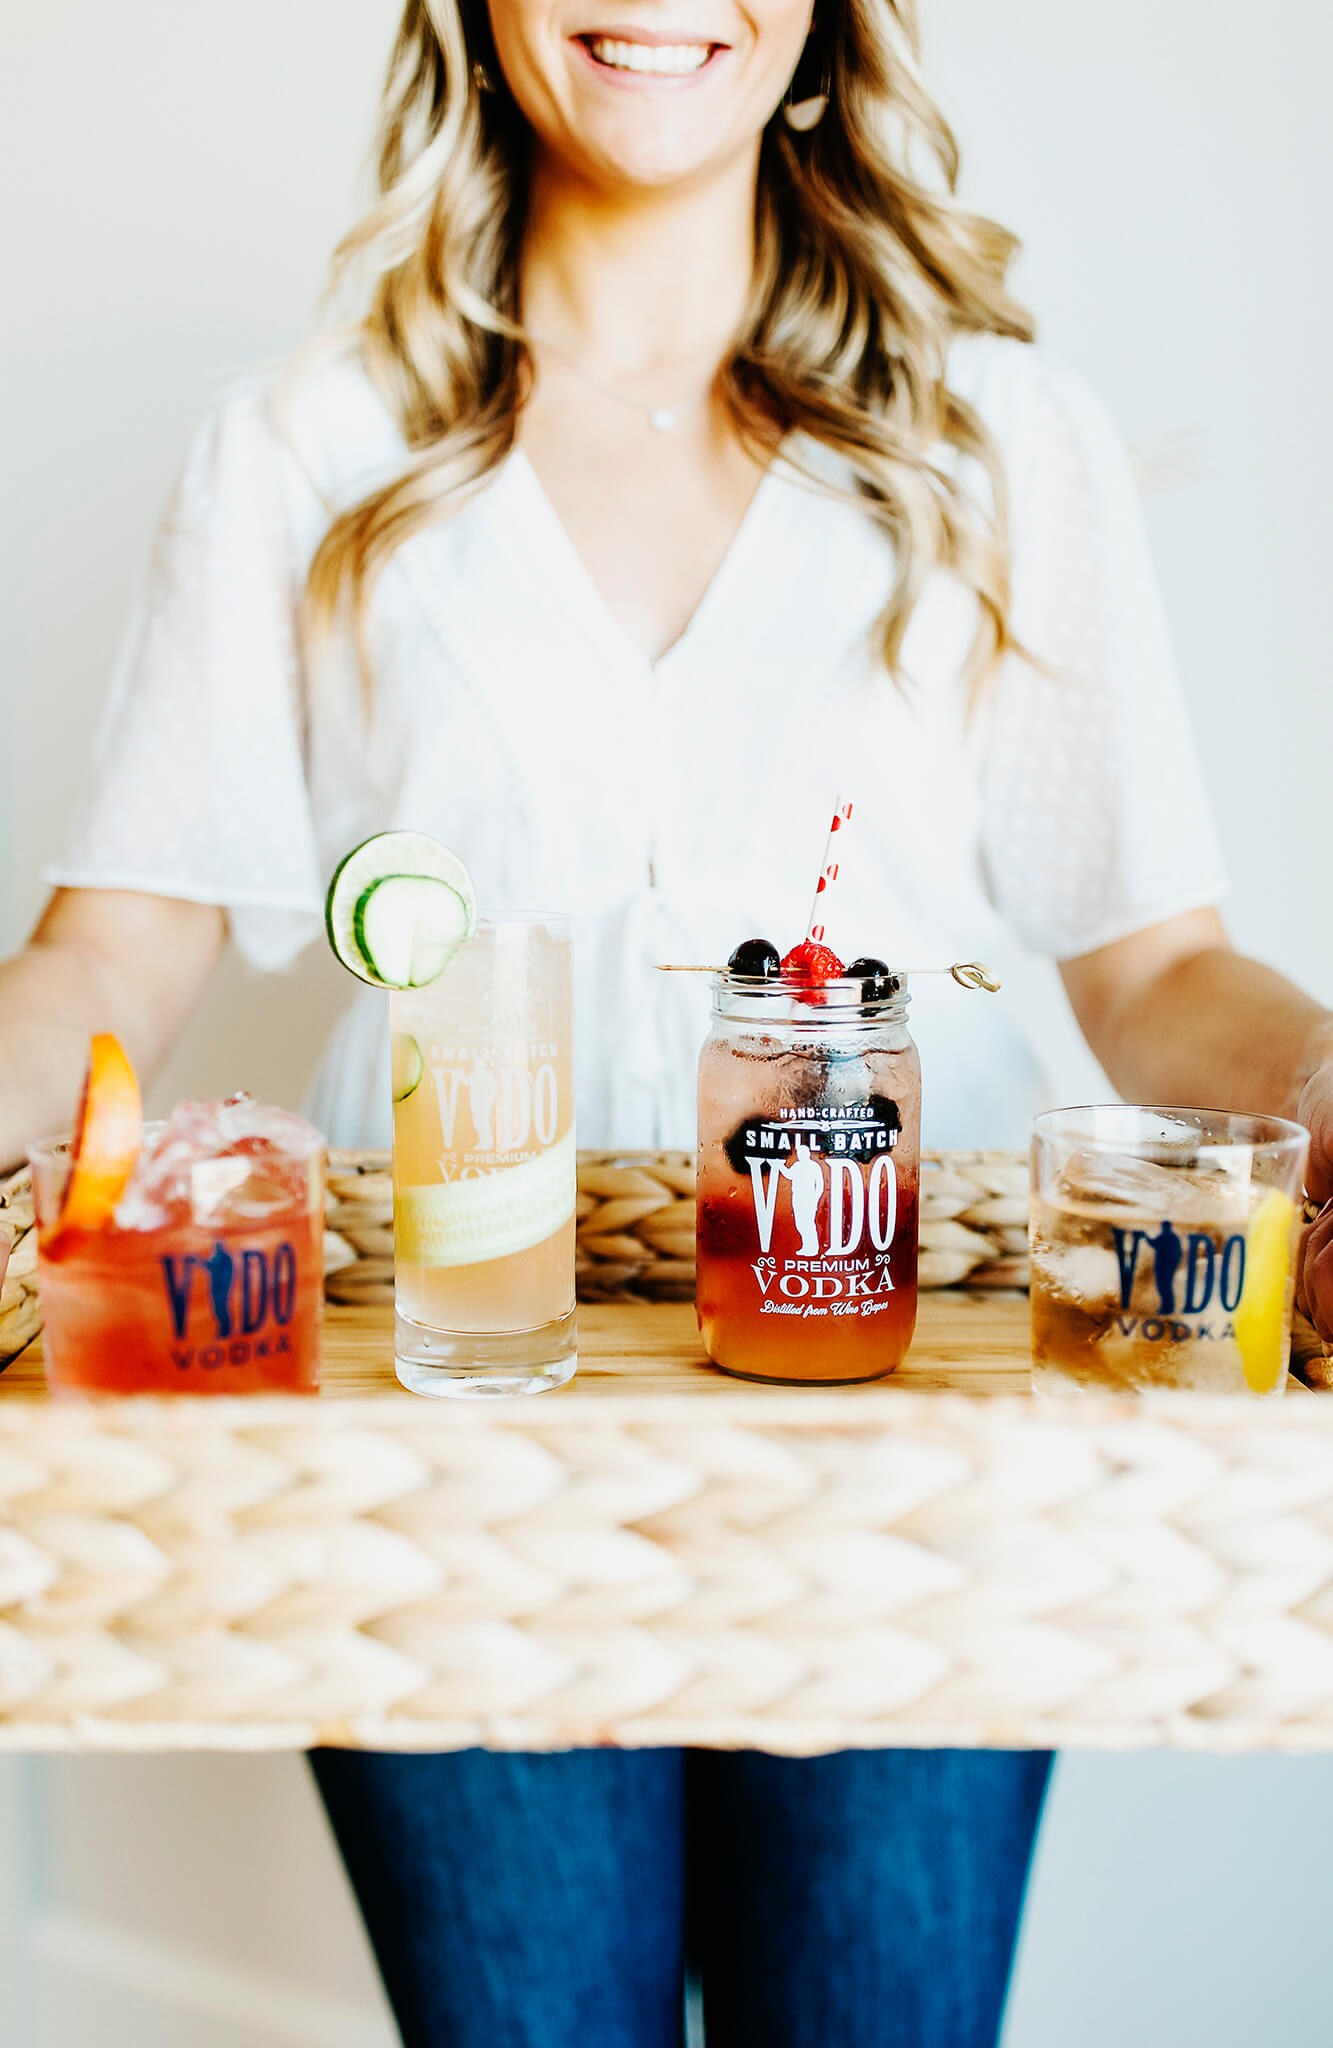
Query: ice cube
[
  {"x": 247, "y": 1124},
  {"x": 1085, "y": 1274},
  {"x": 801, "y": 1079},
  {"x": 213, "y": 1182},
  {"x": 246, "y": 1187},
  {"x": 1213, "y": 1189},
  {"x": 158, "y": 1190},
  {"x": 238, "y": 1160},
  {"x": 847, "y": 1082}
]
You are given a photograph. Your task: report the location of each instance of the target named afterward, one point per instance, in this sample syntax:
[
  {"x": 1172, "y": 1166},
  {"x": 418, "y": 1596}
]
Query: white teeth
[{"x": 670, "y": 60}]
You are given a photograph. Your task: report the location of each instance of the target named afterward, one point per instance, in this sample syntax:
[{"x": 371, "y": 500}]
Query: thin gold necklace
[{"x": 663, "y": 419}]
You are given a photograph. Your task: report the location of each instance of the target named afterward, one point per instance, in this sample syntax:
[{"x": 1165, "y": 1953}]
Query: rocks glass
[{"x": 1164, "y": 1248}]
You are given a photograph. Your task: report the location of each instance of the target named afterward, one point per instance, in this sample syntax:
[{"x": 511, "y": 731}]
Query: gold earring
[{"x": 481, "y": 78}]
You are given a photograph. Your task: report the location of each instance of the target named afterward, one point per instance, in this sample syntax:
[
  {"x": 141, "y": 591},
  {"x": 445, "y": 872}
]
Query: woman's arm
[
  {"x": 1174, "y": 1015},
  {"x": 99, "y": 960}
]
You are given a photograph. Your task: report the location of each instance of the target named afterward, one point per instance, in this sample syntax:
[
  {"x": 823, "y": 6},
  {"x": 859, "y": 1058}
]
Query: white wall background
[{"x": 171, "y": 178}]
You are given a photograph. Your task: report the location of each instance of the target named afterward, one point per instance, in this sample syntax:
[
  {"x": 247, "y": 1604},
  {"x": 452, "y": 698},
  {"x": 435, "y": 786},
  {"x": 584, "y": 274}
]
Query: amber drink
[
  {"x": 809, "y": 1144},
  {"x": 1163, "y": 1249}
]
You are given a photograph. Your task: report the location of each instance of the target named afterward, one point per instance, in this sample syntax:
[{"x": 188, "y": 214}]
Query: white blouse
[{"x": 673, "y": 807}]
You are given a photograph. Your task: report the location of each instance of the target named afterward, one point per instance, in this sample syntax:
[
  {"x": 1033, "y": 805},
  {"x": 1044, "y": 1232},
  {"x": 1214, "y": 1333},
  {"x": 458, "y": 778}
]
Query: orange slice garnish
[{"x": 107, "y": 1135}]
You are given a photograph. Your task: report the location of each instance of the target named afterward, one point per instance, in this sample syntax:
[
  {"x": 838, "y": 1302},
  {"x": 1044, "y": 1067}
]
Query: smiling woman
[
  {"x": 583, "y": 215},
  {"x": 687, "y": 452},
  {"x": 702, "y": 86}
]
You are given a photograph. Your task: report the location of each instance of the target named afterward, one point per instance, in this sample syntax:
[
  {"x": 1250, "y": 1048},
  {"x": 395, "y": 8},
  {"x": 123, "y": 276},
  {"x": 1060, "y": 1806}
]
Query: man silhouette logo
[
  {"x": 1167, "y": 1252},
  {"x": 480, "y": 1085},
  {"x": 221, "y": 1270},
  {"x": 807, "y": 1188}
]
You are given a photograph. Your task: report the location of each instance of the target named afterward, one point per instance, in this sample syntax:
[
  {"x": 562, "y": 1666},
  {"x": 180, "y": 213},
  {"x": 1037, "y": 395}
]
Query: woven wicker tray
[
  {"x": 635, "y": 1235},
  {"x": 636, "y": 1224},
  {"x": 658, "y": 1554},
  {"x": 635, "y": 1230}
]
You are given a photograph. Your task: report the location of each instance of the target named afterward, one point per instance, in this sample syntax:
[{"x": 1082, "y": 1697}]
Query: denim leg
[
  {"x": 864, "y": 1900},
  {"x": 519, "y": 1901}
]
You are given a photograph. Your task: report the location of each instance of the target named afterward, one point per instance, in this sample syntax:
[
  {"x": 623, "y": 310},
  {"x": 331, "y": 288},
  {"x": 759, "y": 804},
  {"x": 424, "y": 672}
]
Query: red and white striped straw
[{"x": 828, "y": 873}]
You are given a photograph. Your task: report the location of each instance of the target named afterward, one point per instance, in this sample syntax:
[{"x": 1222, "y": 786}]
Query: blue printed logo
[
  {"x": 1209, "y": 1273},
  {"x": 252, "y": 1302}
]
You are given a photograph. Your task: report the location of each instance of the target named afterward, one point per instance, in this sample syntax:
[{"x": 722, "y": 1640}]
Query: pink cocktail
[{"x": 208, "y": 1276}]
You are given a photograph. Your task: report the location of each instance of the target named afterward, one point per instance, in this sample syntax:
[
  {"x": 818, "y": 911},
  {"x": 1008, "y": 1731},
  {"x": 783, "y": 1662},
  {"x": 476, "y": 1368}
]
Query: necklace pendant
[{"x": 662, "y": 419}]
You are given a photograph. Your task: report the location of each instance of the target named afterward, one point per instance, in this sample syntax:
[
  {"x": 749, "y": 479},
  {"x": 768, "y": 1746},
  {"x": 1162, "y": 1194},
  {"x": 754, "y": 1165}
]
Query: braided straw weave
[
  {"x": 673, "y": 1560},
  {"x": 789, "y": 1572},
  {"x": 636, "y": 1224},
  {"x": 635, "y": 1234},
  {"x": 635, "y": 1230}
]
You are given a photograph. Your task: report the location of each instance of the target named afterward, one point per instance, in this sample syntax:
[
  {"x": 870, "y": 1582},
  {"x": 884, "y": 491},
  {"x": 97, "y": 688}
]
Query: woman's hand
[
  {"x": 1314, "y": 1290},
  {"x": 1174, "y": 1015}
]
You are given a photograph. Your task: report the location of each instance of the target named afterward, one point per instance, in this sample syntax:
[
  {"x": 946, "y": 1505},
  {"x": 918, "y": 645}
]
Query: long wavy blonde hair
[{"x": 866, "y": 266}]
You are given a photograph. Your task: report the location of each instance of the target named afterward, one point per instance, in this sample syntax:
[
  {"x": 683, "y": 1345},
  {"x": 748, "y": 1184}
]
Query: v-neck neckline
[{"x": 572, "y": 573}]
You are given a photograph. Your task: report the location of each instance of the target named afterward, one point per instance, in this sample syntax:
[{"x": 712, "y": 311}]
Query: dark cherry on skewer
[
  {"x": 756, "y": 960},
  {"x": 877, "y": 984}
]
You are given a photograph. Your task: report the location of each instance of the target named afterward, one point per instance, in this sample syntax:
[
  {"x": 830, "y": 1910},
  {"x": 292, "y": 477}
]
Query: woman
[{"x": 692, "y": 459}]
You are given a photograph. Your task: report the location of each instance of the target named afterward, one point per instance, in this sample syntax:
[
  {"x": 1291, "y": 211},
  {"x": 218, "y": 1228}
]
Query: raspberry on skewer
[{"x": 812, "y": 963}]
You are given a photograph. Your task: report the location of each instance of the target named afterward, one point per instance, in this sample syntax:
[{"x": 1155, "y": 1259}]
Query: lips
[
  {"x": 666, "y": 60},
  {"x": 634, "y": 55}
]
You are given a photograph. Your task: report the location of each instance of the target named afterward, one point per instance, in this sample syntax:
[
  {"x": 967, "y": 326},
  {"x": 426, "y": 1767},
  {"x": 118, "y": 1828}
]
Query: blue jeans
[{"x": 864, "y": 1900}]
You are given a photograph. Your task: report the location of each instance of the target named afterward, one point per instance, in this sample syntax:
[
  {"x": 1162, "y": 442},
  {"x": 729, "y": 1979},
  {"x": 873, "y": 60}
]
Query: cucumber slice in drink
[
  {"x": 469, "y": 1222},
  {"x": 407, "y": 929},
  {"x": 416, "y": 934},
  {"x": 408, "y": 1067}
]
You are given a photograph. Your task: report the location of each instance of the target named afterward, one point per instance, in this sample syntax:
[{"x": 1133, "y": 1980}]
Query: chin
[
  {"x": 654, "y": 176},
  {"x": 651, "y": 163}
]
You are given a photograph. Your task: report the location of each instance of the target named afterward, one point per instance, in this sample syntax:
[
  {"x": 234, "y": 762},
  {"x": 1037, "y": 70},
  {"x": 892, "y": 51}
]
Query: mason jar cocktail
[
  {"x": 484, "y": 1165},
  {"x": 809, "y": 1148}
]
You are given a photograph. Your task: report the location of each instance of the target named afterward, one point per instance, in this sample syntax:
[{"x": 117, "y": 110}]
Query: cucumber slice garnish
[
  {"x": 401, "y": 857},
  {"x": 408, "y": 1066},
  {"x": 407, "y": 929},
  {"x": 470, "y": 1222}
]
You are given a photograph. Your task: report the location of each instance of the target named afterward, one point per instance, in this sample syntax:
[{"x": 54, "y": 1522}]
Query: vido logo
[
  {"x": 856, "y": 1202},
  {"x": 508, "y": 1105},
  {"x": 250, "y": 1302}
]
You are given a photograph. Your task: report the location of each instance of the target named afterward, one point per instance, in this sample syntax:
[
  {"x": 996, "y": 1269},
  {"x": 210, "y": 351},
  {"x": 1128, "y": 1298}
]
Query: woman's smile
[
  {"x": 634, "y": 96},
  {"x": 649, "y": 59}
]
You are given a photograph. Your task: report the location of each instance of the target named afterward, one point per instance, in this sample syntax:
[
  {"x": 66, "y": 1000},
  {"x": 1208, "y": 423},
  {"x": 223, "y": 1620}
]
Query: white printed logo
[
  {"x": 506, "y": 1105},
  {"x": 854, "y": 1201}
]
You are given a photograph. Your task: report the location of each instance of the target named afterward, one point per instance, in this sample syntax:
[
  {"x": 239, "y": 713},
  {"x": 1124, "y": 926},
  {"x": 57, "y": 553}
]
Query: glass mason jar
[{"x": 809, "y": 1150}]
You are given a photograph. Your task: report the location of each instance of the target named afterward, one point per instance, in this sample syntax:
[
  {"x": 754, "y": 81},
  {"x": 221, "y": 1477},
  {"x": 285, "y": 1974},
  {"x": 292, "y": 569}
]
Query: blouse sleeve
[
  {"x": 1095, "y": 821},
  {"x": 199, "y": 787}
]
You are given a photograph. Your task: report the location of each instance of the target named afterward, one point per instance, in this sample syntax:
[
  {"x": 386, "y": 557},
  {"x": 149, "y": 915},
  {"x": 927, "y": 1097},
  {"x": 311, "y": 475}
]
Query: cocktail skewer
[{"x": 967, "y": 973}]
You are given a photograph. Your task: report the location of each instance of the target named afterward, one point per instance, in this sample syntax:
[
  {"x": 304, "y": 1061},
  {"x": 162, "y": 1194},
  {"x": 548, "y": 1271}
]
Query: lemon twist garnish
[{"x": 1263, "y": 1302}]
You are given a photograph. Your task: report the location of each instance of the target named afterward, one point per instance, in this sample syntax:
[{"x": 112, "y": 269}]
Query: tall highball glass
[{"x": 484, "y": 1166}]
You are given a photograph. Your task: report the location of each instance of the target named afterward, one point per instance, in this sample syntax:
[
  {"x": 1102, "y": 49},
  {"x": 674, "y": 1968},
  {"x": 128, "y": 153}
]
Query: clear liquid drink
[
  {"x": 809, "y": 1149},
  {"x": 209, "y": 1276},
  {"x": 1163, "y": 1249},
  {"x": 484, "y": 1166}
]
